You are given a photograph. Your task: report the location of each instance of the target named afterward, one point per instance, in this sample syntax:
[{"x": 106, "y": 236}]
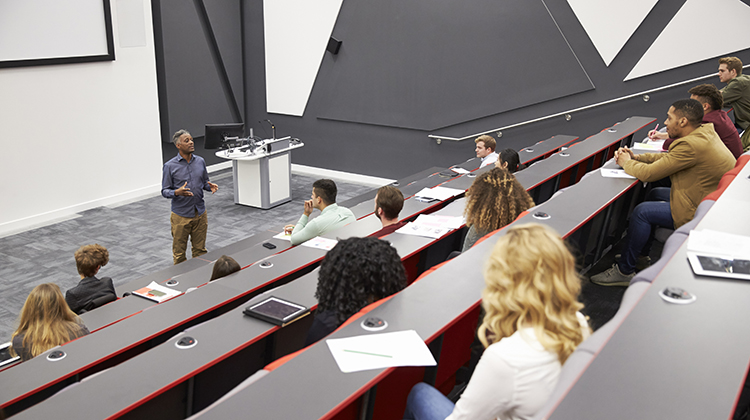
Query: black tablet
[{"x": 276, "y": 311}]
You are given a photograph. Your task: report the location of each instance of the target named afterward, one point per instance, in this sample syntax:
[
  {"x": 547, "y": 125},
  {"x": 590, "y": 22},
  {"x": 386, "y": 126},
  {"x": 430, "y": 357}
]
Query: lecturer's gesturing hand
[
  {"x": 183, "y": 191},
  {"x": 308, "y": 207},
  {"x": 213, "y": 186}
]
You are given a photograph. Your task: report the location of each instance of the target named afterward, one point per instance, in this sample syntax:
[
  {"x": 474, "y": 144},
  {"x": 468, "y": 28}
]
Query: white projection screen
[{"x": 44, "y": 32}]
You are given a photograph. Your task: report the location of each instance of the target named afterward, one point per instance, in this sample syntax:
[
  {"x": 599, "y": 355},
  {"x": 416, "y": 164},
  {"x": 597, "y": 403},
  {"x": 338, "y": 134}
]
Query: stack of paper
[
  {"x": 157, "y": 292},
  {"x": 616, "y": 173},
  {"x": 320, "y": 243},
  {"x": 431, "y": 226},
  {"x": 283, "y": 236},
  {"x": 450, "y": 222},
  {"x": 651, "y": 146},
  {"x": 378, "y": 351},
  {"x": 438, "y": 193}
]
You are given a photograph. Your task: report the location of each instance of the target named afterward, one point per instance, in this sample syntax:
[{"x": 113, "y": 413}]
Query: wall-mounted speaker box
[{"x": 333, "y": 46}]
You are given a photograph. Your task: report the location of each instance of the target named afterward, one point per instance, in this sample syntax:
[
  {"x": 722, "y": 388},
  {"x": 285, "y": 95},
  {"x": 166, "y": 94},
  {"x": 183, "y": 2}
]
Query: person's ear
[
  {"x": 505, "y": 165},
  {"x": 683, "y": 122}
]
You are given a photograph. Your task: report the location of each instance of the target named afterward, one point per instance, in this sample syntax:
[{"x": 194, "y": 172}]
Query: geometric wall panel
[
  {"x": 425, "y": 64},
  {"x": 610, "y": 23},
  {"x": 701, "y": 29},
  {"x": 296, "y": 34}
]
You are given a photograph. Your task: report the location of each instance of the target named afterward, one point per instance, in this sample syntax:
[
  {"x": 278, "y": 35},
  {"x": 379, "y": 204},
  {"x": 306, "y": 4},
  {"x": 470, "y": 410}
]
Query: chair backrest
[
  {"x": 586, "y": 351},
  {"x": 100, "y": 301},
  {"x": 244, "y": 384}
]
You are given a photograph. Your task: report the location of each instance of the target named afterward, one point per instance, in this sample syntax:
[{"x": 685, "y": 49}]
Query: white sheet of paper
[
  {"x": 320, "y": 243},
  {"x": 616, "y": 173},
  {"x": 415, "y": 229},
  {"x": 709, "y": 241},
  {"x": 651, "y": 146},
  {"x": 283, "y": 236},
  {"x": 450, "y": 222},
  {"x": 378, "y": 351},
  {"x": 439, "y": 193},
  {"x": 460, "y": 170}
]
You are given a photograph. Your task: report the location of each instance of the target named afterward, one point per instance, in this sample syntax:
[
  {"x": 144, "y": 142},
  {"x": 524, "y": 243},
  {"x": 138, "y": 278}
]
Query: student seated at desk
[
  {"x": 509, "y": 160},
  {"x": 46, "y": 321},
  {"x": 89, "y": 260},
  {"x": 388, "y": 204},
  {"x": 531, "y": 326},
  {"x": 485, "y": 150},
  {"x": 494, "y": 200},
  {"x": 224, "y": 266},
  {"x": 355, "y": 273},
  {"x": 331, "y": 215}
]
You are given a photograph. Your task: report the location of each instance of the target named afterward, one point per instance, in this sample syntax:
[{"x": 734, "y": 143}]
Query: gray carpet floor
[{"x": 137, "y": 235}]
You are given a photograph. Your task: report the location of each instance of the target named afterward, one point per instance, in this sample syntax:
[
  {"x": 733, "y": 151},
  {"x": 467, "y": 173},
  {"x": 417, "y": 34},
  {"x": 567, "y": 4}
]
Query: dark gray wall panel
[
  {"x": 194, "y": 93},
  {"x": 225, "y": 19},
  {"x": 395, "y": 152},
  {"x": 427, "y": 64}
]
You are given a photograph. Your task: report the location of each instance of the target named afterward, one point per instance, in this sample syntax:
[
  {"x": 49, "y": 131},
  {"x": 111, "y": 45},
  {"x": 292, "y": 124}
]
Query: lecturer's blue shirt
[{"x": 176, "y": 171}]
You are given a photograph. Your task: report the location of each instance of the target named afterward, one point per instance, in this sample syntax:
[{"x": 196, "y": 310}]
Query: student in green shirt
[{"x": 331, "y": 215}]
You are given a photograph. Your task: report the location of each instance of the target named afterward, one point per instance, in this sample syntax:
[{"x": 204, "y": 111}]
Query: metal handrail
[{"x": 568, "y": 112}]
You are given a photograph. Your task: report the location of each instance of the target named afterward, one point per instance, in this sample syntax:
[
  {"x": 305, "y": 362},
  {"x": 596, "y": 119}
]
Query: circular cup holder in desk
[
  {"x": 528, "y": 150},
  {"x": 266, "y": 264},
  {"x": 186, "y": 343},
  {"x": 676, "y": 295},
  {"x": 612, "y": 130},
  {"x": 471, "y": 175},
  {"x": 172, "y": 282},
  {"x": 56, "y": 355},
  {"x": 564, "y": 154},
  {"x": 374, "y": 324},
  {"x": 541, "y": 215},
  {"x": 395, "y": 184}
]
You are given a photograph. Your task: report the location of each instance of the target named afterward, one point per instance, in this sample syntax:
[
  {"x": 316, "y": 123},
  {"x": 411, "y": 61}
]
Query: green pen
[{"x": 369, "y": 354}]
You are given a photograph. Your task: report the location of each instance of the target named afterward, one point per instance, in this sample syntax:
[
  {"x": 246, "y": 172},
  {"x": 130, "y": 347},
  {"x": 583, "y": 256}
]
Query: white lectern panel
[
  {"x": 278, "y": 174},
  {"x": 248, "y": 182}
]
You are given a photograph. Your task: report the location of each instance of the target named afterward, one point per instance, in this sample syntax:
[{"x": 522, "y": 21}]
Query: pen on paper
[{"x": 369, "y": 354}]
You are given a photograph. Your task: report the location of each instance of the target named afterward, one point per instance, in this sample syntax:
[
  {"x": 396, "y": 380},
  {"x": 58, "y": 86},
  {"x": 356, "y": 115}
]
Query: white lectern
[{"x": 262, "y": 176}]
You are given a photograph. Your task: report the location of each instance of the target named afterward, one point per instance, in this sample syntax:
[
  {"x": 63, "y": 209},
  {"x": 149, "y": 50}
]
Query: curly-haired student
[
  {"x": 355, "y": 273},
  {"x": 494, "y": 200}
]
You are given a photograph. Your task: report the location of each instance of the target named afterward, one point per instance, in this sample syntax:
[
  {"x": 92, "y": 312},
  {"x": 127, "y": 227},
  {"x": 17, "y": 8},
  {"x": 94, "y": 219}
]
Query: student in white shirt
[
  {"x": 531, "y": 326},
  {"x": 486, "y": 150}
]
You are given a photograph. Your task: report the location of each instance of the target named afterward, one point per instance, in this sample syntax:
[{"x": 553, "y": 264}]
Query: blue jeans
[
  {"x": 655, "y": 211},
  {"x": 427, "y": 403}
]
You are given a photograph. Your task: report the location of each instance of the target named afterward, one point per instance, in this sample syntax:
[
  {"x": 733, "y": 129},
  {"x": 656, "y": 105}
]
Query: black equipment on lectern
[{"x": 221, "y": 136}]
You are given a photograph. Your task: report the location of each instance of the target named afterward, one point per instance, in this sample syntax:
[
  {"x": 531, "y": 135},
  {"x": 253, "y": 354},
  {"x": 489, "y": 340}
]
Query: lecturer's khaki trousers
[{"x": 183, "y": 228}]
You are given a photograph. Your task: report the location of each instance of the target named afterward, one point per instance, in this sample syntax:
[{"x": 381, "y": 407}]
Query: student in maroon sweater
[
  {"x": 388, "y": 204},
  {"x": 710, "y": 97}
]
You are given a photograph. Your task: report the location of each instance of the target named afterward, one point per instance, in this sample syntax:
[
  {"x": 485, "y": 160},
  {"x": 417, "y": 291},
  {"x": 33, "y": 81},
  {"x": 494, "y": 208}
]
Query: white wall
[{"x": 78, "y": 136}]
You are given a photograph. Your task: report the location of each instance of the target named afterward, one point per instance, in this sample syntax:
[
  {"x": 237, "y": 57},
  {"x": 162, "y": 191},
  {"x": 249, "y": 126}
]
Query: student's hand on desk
[
  {"x": 657, "y": 135},
  {"x": 288, "y": 229},
  {"x": 183, "y": 191},
  {"x": 308, "y": 207},
  {"x": 213, "y": 186},
  {"x": 623, "y": 155}
]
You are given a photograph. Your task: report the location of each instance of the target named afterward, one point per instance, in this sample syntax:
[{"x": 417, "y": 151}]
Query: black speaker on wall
[{"x": 334, "y": 45}]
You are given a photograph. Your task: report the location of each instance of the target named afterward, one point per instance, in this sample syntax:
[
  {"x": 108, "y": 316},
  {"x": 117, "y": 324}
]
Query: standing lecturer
[{"x": 183, "y": 180}]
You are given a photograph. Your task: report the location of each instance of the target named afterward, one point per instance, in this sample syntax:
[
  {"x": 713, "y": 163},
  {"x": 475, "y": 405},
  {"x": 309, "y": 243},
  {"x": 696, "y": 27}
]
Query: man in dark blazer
[{"x": 89, "y": 259}]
